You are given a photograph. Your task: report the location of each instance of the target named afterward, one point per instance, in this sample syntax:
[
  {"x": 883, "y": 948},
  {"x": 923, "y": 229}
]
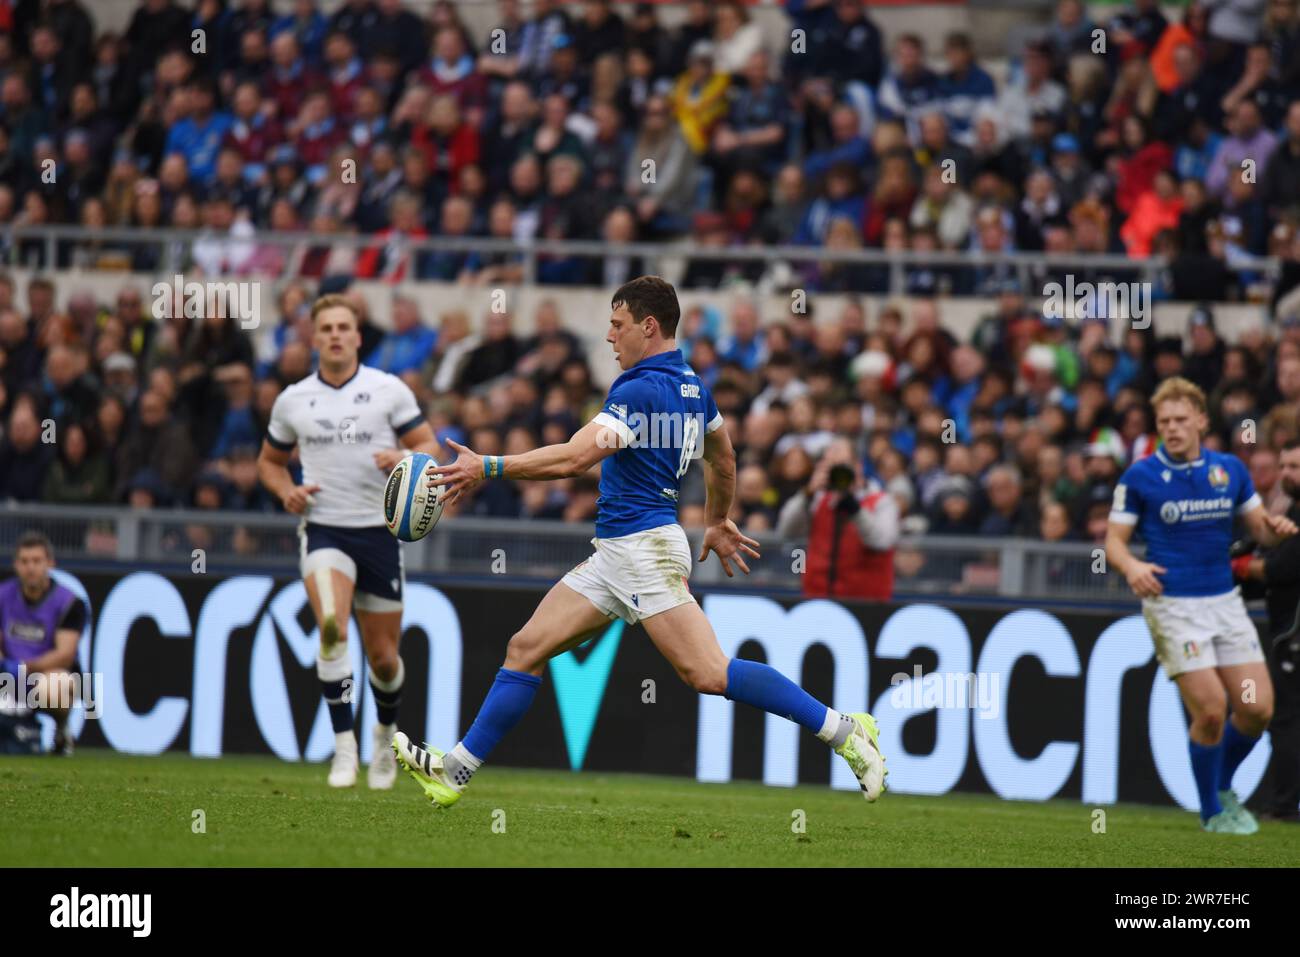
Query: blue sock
[
  {"x": 509, "y": 697},
  {"x": 386, "y": 702},
  {"x": 762, "y": 686},
  {"x": 1205, "y": 768},
  {"x": 340, "y": 710},
  {"x": 1235, "y": 748}
]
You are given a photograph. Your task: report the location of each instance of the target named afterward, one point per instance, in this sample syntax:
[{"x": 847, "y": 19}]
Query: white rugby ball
[{"x": 411, "y": 506}]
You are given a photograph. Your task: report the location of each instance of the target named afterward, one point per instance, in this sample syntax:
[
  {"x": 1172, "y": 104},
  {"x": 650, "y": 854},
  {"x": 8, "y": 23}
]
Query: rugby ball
[{"x": 411, "y": 506}]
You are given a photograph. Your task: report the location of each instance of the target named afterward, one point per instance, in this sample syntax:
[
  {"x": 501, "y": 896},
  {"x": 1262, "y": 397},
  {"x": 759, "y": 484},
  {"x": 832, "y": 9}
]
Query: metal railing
[
  {"x": 537, "y": 550},
  {"x": 47, "y": 247}
]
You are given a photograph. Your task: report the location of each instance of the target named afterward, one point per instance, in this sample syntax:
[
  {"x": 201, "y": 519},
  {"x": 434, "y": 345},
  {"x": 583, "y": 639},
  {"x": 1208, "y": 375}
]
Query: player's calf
[
  {"x": 56, "y": 693},
  {"x": 706, "y": 678},
  {"x": 684, "y": 636}
]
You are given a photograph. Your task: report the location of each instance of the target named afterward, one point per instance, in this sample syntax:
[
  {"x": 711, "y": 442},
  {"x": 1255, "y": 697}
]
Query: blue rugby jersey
[
  {"x": 661, "y": 410},
  {"x": 1185, "y": 512}
]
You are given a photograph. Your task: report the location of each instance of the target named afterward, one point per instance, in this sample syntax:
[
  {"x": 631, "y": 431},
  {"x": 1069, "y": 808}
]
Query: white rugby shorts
[
  {"x": 1195, "y": 633},
  {"x": 638, "y": 575}
]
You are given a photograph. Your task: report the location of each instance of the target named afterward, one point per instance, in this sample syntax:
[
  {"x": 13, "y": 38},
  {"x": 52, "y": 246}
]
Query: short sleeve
[
  {"x": 279, "y": 431},
  {"x": 712, "y": 417},
  {"x": 1126, "y": 505},
  {"x": 405, "y": 414},
  {"x": 626, "y": 400},
  {"x": 1247, "y": 499},
  {"x": 74, "y": 617}
]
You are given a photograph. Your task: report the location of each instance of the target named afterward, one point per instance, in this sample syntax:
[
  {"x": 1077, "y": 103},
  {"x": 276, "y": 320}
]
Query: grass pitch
[{"x": 106, "y": 809}]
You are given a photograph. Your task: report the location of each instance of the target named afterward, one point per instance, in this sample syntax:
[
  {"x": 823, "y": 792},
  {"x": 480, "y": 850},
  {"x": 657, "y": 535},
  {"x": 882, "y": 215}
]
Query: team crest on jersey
[
  {"x": 1169, "y": 513},
  {"x": 360, "y": 398},
  {"x": 1218, "y": 476},
  {"x": 1166, "y": 475}
]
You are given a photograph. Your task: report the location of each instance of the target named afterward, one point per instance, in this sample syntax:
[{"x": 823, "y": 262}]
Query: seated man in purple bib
[{"x": 40, "y": 623}]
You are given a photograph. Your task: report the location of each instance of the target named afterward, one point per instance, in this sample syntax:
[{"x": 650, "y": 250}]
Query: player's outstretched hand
[
  {"x": 725, "y": 540},
  {"x": 461, "y": 475},
  {"x": 299, "y": 498},
  {"x": 1142, "y": 579},
  {"x": 1282, "y": 526}
]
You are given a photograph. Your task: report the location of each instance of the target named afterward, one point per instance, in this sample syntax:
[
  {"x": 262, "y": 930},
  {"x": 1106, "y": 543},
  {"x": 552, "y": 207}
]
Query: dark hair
[
  {"x": 650, "y": 296},
  {"x": 1291, "y": 446},
  {"x": 34, "y": 539}
]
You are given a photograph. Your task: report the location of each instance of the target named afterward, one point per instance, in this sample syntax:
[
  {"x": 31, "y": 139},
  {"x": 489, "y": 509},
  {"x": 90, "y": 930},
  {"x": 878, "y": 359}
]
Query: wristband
[
  {"x": 1241, "y": 566},
  {"x": 493, "y": 466}
]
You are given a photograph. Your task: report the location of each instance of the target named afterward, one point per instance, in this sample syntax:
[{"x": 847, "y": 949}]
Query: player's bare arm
[
  {"x": 1141, "y": 576},
  {"x": 722, "y": 537},
  {"x": 1268, "y": 530},
  {"x": 588, "y": 446},
  {"x": 61, "y": 657},
  {"x": 418, "y": 439},
  {"x": 273, "y": 472}
]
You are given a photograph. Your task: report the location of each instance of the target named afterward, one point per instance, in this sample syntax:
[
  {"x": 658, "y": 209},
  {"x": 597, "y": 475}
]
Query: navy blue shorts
[{"x": 375, "y": 554}]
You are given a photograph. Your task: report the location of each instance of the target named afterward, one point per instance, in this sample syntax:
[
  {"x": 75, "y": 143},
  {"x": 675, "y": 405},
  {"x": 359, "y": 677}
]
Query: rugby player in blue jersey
[
  {"x": 642, "y": 562},
  {"x": 1183, "y": 500}
]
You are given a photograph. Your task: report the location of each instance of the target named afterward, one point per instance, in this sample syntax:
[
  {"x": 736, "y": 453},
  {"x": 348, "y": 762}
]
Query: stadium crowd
[{"x": 838, "y": 144}]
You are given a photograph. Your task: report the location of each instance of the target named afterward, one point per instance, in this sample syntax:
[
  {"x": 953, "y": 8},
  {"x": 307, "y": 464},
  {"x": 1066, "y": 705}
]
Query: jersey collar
[
  {"x": 1160, "y": 454},
  {"x": 672, "y": 356},
  {"x": 49, "y": 587},
  {"x": 321, "y": 378}
]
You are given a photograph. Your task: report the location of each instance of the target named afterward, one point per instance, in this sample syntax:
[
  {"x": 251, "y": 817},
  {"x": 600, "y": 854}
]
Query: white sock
[
  {"x": 385, "y": 731},
  {"x": 837, "y": 728},
  {"x": 345, "y": 741},
  {"x": 465, "y": 758}
]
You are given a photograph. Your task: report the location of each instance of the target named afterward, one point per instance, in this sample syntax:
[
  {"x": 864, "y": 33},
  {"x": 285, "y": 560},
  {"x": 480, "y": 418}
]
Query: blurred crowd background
[{"x": 844, "y": 143}]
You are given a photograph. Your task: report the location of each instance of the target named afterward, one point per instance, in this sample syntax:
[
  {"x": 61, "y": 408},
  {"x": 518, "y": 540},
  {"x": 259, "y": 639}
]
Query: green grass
[{"x": 106, "y": 809}]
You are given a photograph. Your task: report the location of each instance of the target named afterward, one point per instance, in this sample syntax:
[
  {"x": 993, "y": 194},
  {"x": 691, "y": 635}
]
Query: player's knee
[
  {"x": 384, "y": 665},
  {"x": 54, "y": 691},
  {"x": 706, "y": 679},
  {"x": 524, "y": 651},
  {"x": 1256, "y": 715},
  {"x": 1209, "y": 720}
]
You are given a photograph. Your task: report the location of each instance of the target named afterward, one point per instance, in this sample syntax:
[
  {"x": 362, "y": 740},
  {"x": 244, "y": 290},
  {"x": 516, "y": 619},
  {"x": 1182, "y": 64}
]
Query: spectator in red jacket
[
  {"x": 852, "y": 527},
  {"x": 447, "y": 141},
  {"x": 1143, "y": 159},
  {"x": 1158, "y": 208},
  {"x": 391, "y": 258}
]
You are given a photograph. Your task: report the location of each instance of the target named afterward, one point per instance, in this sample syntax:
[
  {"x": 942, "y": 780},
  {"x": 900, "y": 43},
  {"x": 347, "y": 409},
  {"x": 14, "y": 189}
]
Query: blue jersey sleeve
[
  {"x": 1246, "y": 498},
  {"x": 712, "y": 417},
  {"x": 1126, "y": 506},
  {"x": 629, "y": 402}
]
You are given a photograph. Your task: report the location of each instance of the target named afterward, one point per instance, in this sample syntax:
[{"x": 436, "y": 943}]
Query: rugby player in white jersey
[
  {"x": 351, "y": 424},
  {"x": 1183, "y": 500},
  {"x": 642, "y": 563}
]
